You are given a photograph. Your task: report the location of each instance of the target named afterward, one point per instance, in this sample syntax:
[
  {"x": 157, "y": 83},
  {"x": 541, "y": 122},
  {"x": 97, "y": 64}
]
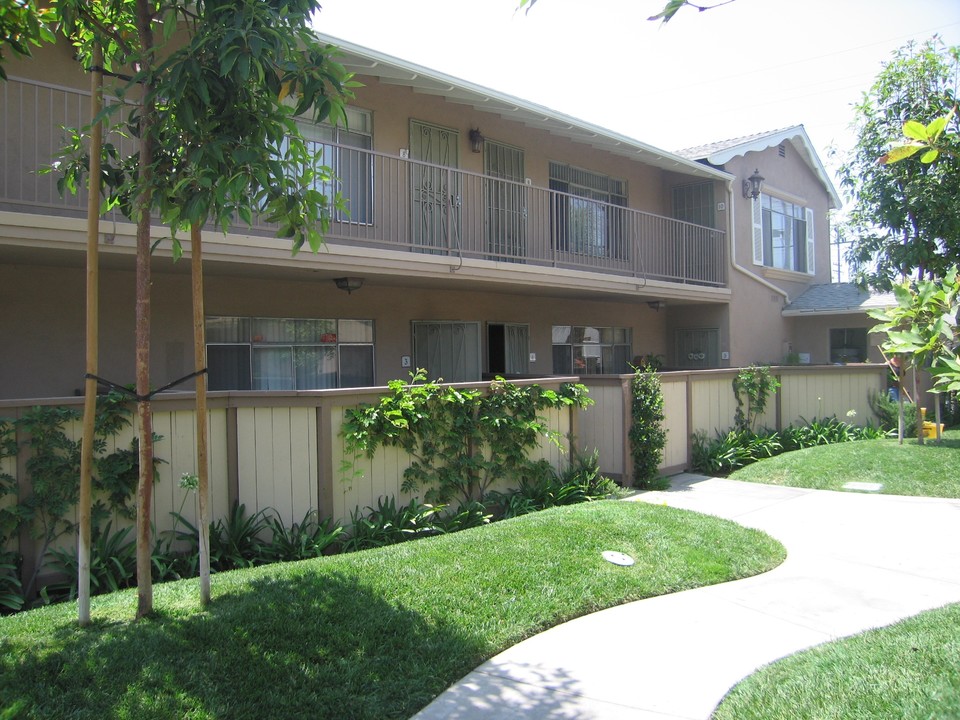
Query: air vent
[{"x": 782, "y": 150}]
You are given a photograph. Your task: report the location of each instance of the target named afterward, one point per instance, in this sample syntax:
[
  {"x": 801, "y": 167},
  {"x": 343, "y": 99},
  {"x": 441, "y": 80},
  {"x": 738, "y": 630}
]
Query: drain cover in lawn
[{"x": 864, "y": 486}]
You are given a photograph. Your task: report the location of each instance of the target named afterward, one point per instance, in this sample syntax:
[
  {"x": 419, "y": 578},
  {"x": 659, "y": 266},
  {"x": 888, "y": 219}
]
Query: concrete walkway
[{"x": 855, "y": 561}]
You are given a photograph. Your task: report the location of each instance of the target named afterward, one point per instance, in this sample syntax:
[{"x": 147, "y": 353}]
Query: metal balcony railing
[{"x": 401, "y": 204}]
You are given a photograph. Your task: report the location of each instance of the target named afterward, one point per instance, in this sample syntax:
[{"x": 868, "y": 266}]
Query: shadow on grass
[{"x": 309, "y": 645}]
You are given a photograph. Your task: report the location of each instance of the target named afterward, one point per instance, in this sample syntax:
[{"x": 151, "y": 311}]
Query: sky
[{"x": 745, "y": 67}]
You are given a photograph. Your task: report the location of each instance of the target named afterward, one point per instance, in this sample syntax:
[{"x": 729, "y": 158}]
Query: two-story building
[{"x": 485, "y": 235}]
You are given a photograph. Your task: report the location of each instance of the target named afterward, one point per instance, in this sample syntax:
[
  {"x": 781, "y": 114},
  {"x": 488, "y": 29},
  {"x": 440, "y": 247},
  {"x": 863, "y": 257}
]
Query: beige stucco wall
[
  {"x": 812, "y": 335},
  {"x": 44, "y": 311},
  {"x": 758, "y": 332},
  {"x": 394, "y": 106}
]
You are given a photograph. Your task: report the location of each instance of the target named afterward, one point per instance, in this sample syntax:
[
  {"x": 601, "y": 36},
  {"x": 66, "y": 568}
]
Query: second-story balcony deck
[{"x": 402, "y": 205}]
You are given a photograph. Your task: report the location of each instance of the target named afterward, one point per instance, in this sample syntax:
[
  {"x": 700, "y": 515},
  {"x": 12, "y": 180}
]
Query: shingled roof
[{"x": 837, "y": 299}]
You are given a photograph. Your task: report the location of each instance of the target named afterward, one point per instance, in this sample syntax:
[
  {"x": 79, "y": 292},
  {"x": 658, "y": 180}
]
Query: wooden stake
[
  {"x": 200, "y": 364},
  {"x": 92, "y": 333}
]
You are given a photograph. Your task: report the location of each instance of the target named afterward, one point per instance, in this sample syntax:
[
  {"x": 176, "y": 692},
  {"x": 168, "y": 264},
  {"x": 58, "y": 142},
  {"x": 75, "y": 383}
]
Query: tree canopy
[{"x": 905, "y": 219}]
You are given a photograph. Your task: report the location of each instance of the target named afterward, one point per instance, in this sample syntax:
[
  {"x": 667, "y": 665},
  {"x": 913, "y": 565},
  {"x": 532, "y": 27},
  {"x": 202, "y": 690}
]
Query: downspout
[{"x": 733, "y": 250}]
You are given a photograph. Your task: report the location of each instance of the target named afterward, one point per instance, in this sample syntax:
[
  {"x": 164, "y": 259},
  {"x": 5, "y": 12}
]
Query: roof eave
[
  {"x": 365, "y": 61},
  {"x": 763, "y": 142}
]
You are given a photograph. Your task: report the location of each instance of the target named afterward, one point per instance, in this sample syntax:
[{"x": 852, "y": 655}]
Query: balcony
[{"x": 403, "y": 205}]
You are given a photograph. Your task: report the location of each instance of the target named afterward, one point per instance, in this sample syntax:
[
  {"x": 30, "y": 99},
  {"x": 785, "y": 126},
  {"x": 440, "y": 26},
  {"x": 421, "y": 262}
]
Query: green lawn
[
  {"x": 929, "y": 470},
  {"x": 375, "y": 634},
  {"x": 909, "y": 670}
]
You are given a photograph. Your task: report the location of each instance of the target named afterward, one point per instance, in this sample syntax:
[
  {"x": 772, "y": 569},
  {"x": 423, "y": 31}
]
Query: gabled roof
[
  {"x": 391, "y": 70},
  {"x": 719, "y": 153},
  {"x": 837, "y": 299}
]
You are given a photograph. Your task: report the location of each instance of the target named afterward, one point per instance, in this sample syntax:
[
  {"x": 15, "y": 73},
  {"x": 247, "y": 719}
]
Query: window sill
[{"x": 790, "y": 275}]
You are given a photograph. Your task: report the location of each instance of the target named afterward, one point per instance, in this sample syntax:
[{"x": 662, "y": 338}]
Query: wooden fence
[
  {"x": 283, "y": 452},
  {"x": 703, "y": 401},
  {"x": 277, "y": 451}
]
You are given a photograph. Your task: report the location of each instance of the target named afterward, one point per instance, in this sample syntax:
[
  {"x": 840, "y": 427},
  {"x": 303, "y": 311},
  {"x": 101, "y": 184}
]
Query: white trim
[
  {"x": 365, "y": 61},
  {"x": 757, "y": 210},
  {"x": 797, "y": 135}
]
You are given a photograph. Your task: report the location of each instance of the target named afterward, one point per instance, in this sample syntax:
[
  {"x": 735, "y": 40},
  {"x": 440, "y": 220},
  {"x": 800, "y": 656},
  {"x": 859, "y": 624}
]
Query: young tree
[
  {"x": 211, "y": 92},
  {"x": 905, "y": 220},
  {"x": 922, "y": 327}
]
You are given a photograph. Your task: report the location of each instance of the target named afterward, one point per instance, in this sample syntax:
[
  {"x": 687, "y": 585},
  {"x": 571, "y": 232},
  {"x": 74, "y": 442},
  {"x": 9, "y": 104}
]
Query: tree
[
  {"x": 212, "y": 92},
  {"x": 905, "y": 220},
  {"x": 666, "y": 15},
  {"x": 922, "y": 327},
  {"x": 22, "y": 25}
]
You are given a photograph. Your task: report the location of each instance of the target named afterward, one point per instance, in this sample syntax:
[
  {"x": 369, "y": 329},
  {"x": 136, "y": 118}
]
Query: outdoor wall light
[
  {"x": 349, "y": 283},
  {"x": 476, "y": 140},
  {"x": 657, "y": 305},
  {"x": 752, "y": 185}
]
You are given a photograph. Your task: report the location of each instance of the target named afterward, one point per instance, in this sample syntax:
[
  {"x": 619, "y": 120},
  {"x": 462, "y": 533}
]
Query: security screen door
[
  {"x": 435, "y": 191},
  {"x": 506, "y": 201}
]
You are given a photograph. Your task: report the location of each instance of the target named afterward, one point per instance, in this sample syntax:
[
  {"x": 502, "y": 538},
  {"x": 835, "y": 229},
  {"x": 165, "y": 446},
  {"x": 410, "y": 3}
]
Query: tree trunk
[
  {"x": 92, "y": 332},
  {"x": 936, "y": 418},
  {"x": 200, "y": 365},
  {"x": 916, "y": 395},
  {"x": 143, "y": 203}
]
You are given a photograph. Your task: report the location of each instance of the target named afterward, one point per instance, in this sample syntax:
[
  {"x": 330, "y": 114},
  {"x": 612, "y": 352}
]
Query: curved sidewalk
[{"x": 855, "y": 561}]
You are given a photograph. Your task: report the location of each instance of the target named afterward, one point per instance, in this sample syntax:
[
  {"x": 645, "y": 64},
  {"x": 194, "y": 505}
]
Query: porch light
[
  {"x": 476, "y": 140},
  {"x": 349, "y": 283},
  {"x": 752, "y": 185},
  {"x": 657, "y": 305}
]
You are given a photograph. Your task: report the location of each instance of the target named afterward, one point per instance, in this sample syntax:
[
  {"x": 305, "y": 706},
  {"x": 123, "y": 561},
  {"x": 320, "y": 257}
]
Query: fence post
[
  {"x": 233, "y": 458},
  {"x": 688, "y": 391},
  {"x": 325, "y": 469},
  {"x": 626, "y": 393},
  {"x": 27, "y": 545}
]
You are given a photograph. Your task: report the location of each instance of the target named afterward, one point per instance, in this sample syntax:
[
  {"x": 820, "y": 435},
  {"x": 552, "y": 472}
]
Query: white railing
[{"x": 400, "y": 204}]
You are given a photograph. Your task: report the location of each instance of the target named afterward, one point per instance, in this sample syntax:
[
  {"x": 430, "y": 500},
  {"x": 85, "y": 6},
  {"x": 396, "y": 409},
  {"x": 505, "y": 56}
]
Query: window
[
  {"x": 288, "y": 353},
  {"x": 345, "y": 150},
  {"x": 848, "y": 345},
  {"x": 782, "y": 235},
  {"x": 587, "y": 219},
  {"x": 449, "y": 351},
  {"x": 694, "y": 204},
  {"x": 585, "y": 350}
]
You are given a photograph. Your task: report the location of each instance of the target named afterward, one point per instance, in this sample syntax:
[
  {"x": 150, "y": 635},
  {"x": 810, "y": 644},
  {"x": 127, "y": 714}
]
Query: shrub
[
  {"x": 646, "y": 436},
  {"x": 113, "y": 564},
  {"x": 543, "y": 487},
  {"x": 388, "y": 524},
  {"x": 237, "y": 540},
  {"x": 301, "y": 541},
  {"x": 887, "y": 411},
  {"x": 732, "y": 450}
]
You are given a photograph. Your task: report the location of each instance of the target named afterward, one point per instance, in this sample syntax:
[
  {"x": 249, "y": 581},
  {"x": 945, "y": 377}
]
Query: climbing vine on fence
[
  {"x": 460, "y": 440},
  {"x": 52, "y": 468},
  {"x": 752, "y": 387}
]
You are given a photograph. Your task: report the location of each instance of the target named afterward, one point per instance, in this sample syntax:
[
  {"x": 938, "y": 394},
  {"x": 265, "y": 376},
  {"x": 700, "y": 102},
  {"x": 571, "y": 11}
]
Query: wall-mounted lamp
[
  {"x": 752, "y": 185},
  {"x": 349, "y": 283},
  {"x": 657, "y": 305},
  {"x": 476, "y": 140}
]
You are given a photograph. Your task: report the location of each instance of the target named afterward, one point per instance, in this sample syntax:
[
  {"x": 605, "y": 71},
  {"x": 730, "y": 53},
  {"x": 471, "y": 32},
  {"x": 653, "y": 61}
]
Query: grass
[
  {"x": 375, "y": 634},
  {"x": 929, "y": 470},
  {"x": 908, "y": 671}
]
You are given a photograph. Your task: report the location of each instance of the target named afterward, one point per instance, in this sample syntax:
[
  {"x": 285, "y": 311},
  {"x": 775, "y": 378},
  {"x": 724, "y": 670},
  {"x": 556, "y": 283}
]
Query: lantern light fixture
[{"x": 752, "y": 185}]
